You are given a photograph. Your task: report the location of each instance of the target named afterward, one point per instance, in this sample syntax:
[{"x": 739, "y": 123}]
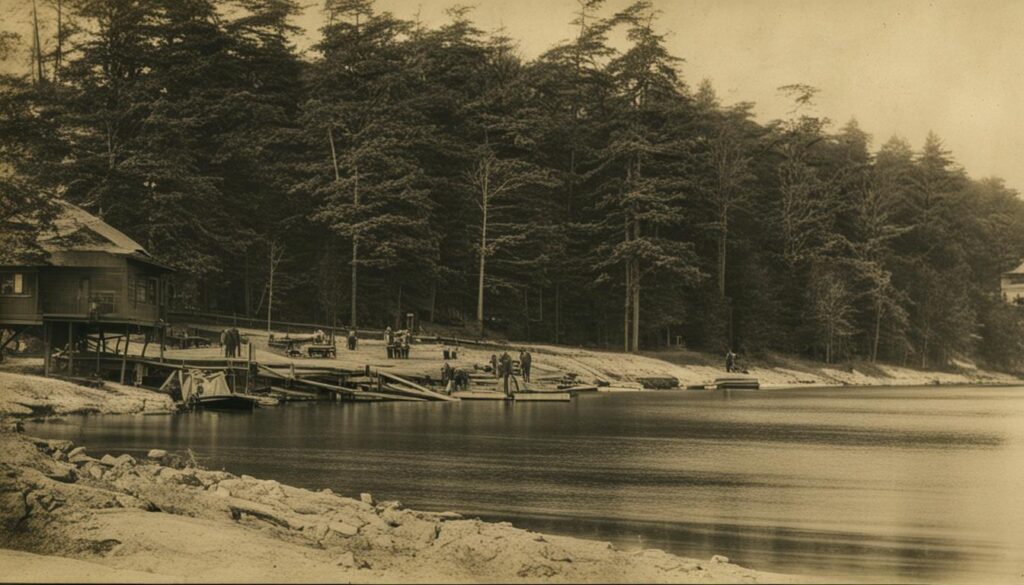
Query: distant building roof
[
  {"x": 76, "y": 233},
  {"x": 1017, "y": 270}
]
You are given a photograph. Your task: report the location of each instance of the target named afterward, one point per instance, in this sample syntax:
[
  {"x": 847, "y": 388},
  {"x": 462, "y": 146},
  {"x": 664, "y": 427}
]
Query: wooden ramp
[
  {"x": 478, "y": 395},
  {"x": 542, "y": 396}
]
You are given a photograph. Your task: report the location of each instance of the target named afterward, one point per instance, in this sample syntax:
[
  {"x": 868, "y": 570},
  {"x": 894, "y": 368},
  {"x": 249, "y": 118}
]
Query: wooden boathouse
[{"x": 88, "y": 285}]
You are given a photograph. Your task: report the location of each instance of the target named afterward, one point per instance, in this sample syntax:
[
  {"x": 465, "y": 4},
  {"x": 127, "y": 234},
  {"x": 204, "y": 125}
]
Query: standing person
[
  {"x": 389, "y": 341},
  {"x": 236, "y": 341},
  {"x": 494, "y": 366},
  {"x": 525, "y": 361},
  {"x": 224, "y": 340},
  {"x": 352, "y": 339},
  {"x": 730, "y": 361},
  {"x": 506, "y": 369},
  {"x": 446, "y": 373}
]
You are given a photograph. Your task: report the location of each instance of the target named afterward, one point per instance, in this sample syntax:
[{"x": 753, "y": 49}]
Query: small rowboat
[{"x": 737, "y": 383}]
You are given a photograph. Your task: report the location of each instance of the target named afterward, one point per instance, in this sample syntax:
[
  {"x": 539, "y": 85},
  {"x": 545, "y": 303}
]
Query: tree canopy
[{"x": 592, "y": 195}]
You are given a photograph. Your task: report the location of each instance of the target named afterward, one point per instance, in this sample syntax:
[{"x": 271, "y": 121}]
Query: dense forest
[{"x": 592, "y": 195}]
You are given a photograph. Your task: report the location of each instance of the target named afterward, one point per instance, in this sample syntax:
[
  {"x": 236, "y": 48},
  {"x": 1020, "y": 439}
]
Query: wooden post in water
[
  {"x": 124, "y": 357},
  {"x": 162, "y": 327}
]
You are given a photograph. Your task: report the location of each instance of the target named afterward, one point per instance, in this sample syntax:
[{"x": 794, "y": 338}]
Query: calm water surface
[{"x": 919, "y": 484}]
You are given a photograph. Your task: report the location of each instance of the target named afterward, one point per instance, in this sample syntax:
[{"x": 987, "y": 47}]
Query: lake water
[{"x": 880, "y": 484}]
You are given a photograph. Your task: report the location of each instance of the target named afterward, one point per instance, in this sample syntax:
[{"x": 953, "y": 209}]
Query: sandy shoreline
[
  {"x": 160, "y": 519},
  {"x": 67, "y": 516}
]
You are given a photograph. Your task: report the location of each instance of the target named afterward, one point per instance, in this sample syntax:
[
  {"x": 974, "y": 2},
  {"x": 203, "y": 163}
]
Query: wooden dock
[{"x": 287, "y": 380}]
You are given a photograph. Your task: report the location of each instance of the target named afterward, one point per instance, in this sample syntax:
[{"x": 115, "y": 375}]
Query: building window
[
  {"x": 144, "y": 290},
  {"x": 102, "y": 302},
  {"x": 12, "y": 284}
]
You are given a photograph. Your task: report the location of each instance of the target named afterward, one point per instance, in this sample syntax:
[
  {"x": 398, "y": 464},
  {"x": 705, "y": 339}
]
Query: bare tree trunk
[
  {"x": 355, "y": 235},
  {"x": 878, "y": 331},
  {"x": 636, "y": 291},
  {"x": 629, "y": 295},
  {"x": 433, "y": 300},
  {"x": 58, "y": 56},
  {"x": 247, "y": 285},
  {"x": 483, "y": 258},
  {"x": 722, "y": 240},
  {"x": 270, "y": 287},
  {"x": 636, "y": 306},
  {"x": 37, "y": 49}
]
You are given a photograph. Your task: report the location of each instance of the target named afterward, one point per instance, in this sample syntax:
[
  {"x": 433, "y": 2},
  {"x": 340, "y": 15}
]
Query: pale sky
[{"x": 898, "y": 66}]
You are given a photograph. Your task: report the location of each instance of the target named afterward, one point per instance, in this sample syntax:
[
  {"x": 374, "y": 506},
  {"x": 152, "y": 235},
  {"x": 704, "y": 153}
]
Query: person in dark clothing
[
  {"x": 525, "y": 361},
  {"x": 494, "y": 366},
  {"x": 506, "y": 369},
  {"x": 236, "y": 342},
  {"x": 460, "y": 379},
  {"x": 353, "y": 341},
  {"x": 730, "y": 361},
  {"x": 446, "y": 373},
  {"x": 225, "y": 342}
]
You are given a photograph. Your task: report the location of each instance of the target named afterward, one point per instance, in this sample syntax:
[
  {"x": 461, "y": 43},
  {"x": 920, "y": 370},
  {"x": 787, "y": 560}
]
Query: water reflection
[{"x": 876, "y": 484}]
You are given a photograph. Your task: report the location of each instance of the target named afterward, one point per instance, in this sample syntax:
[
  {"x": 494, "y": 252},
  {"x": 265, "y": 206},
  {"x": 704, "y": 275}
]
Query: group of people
[
  {"x": 397, "y": 343},
  {"x": 231, "y": 341},
  {"x": 454, "y": 379},
  {"x": 502, "y": 366}
]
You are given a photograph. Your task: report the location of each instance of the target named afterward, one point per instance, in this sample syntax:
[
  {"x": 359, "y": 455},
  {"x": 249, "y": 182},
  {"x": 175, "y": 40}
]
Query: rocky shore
[
  {"x": 67, "y": 515},
  {"x": 27, "y": 395}
]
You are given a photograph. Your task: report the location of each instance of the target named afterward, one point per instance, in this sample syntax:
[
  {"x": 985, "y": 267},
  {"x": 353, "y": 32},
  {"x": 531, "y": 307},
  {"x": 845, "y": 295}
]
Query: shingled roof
[
  {"x": 76, "y": 233},
  {"x": 1017, "y": 270}
]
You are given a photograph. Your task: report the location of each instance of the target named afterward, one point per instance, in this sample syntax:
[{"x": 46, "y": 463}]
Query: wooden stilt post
[
  {"x": 162, "y": 327},
  {"x": 124, "y": 356},
  {"x": 47, "y": 350},
  {"x": 71, "y": 348},
  {"x": 102, "y": 342},
  {"x": 248, "y": 369},
  {"x": 145, "y": 344}
]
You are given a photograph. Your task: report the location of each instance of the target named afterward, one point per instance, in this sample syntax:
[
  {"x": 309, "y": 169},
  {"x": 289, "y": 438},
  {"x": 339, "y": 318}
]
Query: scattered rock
[
  {"x": 156, "y": 454},
  {"x": 363, "y": 497},
  {"x": 95, "y": 471},
  {"x": 124, "y": 460},
  {"x": 248, "y": 478},
  {"x": 81, "y": 459},
  {"x": 61, "y": 445},
  {"x": 76, "y": 451},
  {"x": 447, "y": 516},
  {"x": 719, "y": 559},
  {"x": 63, "y": 474},
  {"x": 347, "y": 559},
  {"x": 343, "y": 529},
  {"x": 59, "y": 456},
  {"x": 108, "y": 460},
  {"x": 222, "y": 492}
]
